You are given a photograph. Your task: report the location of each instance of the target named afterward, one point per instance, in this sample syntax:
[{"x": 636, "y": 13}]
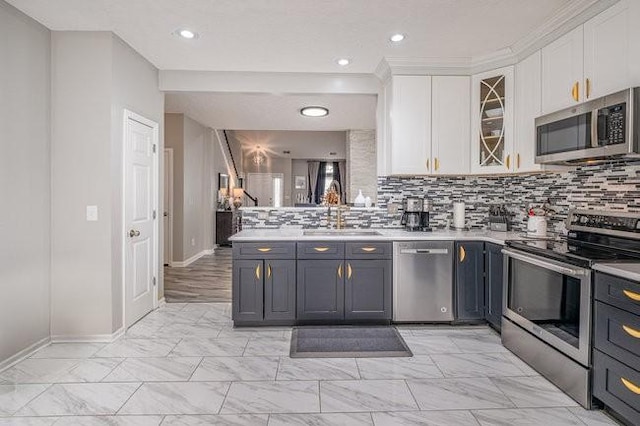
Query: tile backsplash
[{"x": 607, "y": 186}]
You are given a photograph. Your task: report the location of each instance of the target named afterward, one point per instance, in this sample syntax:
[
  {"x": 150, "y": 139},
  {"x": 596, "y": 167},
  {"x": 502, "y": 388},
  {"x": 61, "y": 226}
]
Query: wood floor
[{"x": 208, "y": 279}]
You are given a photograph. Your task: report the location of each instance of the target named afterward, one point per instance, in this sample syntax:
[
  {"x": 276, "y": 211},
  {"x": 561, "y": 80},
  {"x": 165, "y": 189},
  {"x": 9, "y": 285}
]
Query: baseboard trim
[
  {"x": 189, "y": 261},
  {"x": 24, "y": 354},
  {"x": 162, "y": 302},
  {"x": 89, "y": 338}
]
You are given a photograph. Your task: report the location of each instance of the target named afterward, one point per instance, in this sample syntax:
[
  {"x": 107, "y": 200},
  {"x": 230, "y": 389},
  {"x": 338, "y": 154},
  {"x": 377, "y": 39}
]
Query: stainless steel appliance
[
  {"x": 601, "y": 128},
  {"x": 424, "y": 216},
  {"x": 423, "y": 281},
  {"x": 548, "y": 295},
  {"x": 412, "y": 216}
]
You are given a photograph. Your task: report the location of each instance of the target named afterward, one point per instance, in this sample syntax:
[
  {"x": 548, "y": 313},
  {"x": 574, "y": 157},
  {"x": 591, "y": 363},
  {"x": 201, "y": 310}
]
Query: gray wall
[
  {"x": 94, "y": 77},
  {"x": 24, "y": 182},
  {"x": 195, "y": 173}
]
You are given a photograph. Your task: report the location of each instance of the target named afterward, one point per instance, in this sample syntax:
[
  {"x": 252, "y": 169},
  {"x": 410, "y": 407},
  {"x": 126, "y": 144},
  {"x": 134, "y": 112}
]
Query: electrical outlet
[
  {"x": 263, "y": 215},
  {"x": 193, "y": 242},
  {"x": 92, "y": 213}
]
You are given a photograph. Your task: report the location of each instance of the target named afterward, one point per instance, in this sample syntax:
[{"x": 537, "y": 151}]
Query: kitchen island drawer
[
  {"x": 320, "y": 250},
  {"x": 617, "y": 385},
  {"x": 617, "y": 333},
  {"x": 618, "y": 292},
  {"x": 369, "y": 250},
  {"x": 266, "y": 250}
]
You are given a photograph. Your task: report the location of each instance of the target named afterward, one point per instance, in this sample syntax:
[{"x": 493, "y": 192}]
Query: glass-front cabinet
[{"x": 492, "y": 116}]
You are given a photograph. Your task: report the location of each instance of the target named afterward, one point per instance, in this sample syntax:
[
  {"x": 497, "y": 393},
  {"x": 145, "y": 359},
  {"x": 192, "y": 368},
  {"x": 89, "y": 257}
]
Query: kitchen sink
[{"x": 340, "y": 232}]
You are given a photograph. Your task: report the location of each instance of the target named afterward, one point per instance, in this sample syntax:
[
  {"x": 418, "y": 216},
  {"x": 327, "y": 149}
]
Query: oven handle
[{"x": 548, "y": 265}]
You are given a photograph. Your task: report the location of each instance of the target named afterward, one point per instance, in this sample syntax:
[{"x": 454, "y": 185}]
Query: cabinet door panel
[
  {"x": 528, "y": 87},
  {"x": 562, "y": 67},
  {"x": 368, "y": 289},
  {"x": 494, "y": 270},
  {"x": 607, "y": 52},
  {"x": 470, "y": 280},
  {"x": 411, "y": 125},
  {"x": 320, "y": 289},
  {"x": 280, "y": 290},
  {"x": 450, "y": 124},
  {"x": 248, "y": 290}
]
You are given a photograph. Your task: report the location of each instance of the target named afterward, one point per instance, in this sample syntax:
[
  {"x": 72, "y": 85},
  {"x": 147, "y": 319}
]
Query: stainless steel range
[{"x": 548, "y": 295}]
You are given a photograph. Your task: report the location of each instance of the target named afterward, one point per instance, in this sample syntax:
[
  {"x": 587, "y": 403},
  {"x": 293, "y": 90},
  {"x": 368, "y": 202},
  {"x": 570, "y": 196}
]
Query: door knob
[{"x": 134, "y": 233}]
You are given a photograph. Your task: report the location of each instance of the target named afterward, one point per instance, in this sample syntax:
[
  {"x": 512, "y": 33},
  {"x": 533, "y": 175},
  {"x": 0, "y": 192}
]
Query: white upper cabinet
[
  {"x": 562, "y": 72},
  {"x": 410, "y": 116},
  {"x": 593, "y": 60},
  {"x": 450, "y": 124},
  {"x": 528, "y": 81},
  {"x": 607, "y": 51},
  {"x": 492, "y": 121}
]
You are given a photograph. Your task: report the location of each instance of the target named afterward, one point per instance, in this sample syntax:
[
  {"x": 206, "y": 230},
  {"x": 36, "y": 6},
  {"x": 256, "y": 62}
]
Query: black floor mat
[{"x": 347, "y": 342}]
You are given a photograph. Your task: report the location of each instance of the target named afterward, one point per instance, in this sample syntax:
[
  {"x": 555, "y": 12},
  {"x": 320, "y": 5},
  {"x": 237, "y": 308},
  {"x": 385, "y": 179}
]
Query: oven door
[{"x": 551, "y": 300}]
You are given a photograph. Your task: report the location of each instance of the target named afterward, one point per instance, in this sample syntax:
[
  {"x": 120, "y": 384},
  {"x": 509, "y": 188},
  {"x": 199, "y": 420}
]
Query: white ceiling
[
  {"x": 299, "y": 35},
  {"x": 239, "y": 111},
  {"x": 303, "y": 145}
]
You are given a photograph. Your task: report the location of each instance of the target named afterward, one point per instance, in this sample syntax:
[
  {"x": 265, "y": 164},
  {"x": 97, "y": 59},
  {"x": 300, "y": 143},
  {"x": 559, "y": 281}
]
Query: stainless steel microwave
[{"x": 599, "y": 129}]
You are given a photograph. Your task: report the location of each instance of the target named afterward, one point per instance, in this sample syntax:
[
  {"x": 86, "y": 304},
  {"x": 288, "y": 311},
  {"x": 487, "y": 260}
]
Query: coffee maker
[
  {"x": 424, "y": 215},
  {"x": 412, "y": 216}
]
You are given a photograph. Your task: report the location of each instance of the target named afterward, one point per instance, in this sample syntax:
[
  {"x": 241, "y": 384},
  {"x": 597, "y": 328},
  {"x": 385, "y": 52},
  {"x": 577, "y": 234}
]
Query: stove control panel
[{"x": 622, "y": 223}]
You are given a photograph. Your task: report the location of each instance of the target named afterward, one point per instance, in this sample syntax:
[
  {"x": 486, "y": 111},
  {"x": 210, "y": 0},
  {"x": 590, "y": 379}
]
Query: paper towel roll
[{"x": 458, "y": 215}]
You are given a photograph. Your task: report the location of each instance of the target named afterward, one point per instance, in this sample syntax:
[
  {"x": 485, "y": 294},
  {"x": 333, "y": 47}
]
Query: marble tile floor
[
  {"x": 208, "y": 279},
  {"x": 185, "y": 364}
]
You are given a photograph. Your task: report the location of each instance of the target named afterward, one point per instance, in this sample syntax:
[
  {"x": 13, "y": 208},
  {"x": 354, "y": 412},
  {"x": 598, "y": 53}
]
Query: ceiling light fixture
[
  {"x": 314, "y": 111},
  {"x": 185, "y": 33},
  {"x": 396, "y": 38},
  {"x": 343, "y": 62}
]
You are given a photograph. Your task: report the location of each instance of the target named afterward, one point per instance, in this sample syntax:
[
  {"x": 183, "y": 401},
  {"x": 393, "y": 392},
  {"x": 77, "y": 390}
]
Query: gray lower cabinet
[
  {"x": 368, "y": 289},
  {"x": 616, "y": 355},
  {"x": 320, "y": 289},
  {"x": 470, "y": 289},
  {"x": 494, "y": 284},
  {"x": 264, "y": 282},
  {"x": 248, "y": 290}
]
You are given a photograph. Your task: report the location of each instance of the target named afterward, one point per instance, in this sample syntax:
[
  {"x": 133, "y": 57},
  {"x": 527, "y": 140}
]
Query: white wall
[
  {"x": 24, "y": 182},
  {"x": 94, "y": 77}
]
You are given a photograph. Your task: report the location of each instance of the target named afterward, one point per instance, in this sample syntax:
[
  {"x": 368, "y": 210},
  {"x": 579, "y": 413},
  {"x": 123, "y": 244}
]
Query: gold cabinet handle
[
  {"x": 268, "y": 271},
  {"x": 369, "y": 249},
  {"x": 629, "y": 385},
  {"x": 588, "y": 87},
  {"x": 463, "y": 254},
  {"x": 258, "y": 271},
  {"x": 321, "y": 249},
  {"x": 427, "y": 163},
  {"x": 518, "y": 161},
  {"x": 632, "y": 295},
  {"x": 575, "y": 91},
  {"x": 631, "y": 331},
  {"x": 340, "y": 271},
  {"x": 264, "y": 249},
  {"x": 437, "y": 164},
  {"x": 509, "y": 161},
  {"x": 349, "y": 271}
]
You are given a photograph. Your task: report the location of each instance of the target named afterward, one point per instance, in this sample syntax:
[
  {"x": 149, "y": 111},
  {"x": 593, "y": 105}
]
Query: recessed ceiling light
[
  {"x": 188, "y": 34},
  {"x": 396, "y": 38},
  {"x": 314, "y": 111},
  {"x": 343, "y": 62}
]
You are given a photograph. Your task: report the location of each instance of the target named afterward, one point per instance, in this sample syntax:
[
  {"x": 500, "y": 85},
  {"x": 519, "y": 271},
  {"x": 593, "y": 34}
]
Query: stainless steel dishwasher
[{"x": 423, "y": 281}]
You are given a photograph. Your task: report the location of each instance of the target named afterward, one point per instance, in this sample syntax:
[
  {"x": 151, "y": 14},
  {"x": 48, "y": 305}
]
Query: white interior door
[
  {"x": 140, "y": 201},
  {"x": 167, "y": 211},
  {"x": 267, "y": 187}
]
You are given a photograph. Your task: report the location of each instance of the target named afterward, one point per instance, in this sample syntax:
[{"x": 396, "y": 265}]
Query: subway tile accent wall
[{"x": 609, "y": 186}]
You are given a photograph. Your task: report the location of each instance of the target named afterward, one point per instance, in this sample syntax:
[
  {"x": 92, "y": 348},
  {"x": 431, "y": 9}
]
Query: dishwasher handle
[{"x": 424, "y": 251}]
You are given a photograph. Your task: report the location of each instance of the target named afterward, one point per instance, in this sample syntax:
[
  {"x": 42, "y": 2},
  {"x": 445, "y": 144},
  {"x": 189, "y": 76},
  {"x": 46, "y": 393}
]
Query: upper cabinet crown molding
[{"x": 565, "y": 19}]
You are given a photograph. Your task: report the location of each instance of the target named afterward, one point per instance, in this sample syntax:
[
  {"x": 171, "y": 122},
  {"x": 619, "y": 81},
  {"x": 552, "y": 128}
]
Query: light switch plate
[{"x": 92, "y": 213}]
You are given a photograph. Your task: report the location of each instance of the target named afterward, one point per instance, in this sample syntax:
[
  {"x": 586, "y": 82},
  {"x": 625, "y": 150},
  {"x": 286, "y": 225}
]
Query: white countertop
[
  {"x": 296, "y": 234},
  {"x": 630, "y": 271}
]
